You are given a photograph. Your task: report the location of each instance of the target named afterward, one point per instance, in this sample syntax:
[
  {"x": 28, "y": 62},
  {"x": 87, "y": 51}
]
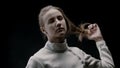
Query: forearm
[{"x": 105, "y": 55}]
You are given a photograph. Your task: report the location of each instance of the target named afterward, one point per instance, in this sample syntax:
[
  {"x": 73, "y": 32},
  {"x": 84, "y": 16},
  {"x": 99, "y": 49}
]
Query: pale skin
[
  {"x": 55, "y": 28},
  {"x": 93, "y": 32}
]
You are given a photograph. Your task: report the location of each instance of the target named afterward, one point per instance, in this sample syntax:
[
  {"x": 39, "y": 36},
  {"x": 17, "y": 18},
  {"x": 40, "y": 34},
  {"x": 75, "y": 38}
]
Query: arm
[
  {"x": 105, "y": 61},
  {"x": 93, "y": 33},
  {"x": 105, "y": 55}
]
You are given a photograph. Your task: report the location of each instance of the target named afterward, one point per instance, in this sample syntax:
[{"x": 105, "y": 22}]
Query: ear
[{"x": 43, "y": 30}]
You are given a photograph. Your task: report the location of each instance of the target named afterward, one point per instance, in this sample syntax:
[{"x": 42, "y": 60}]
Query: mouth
[{"x": 60, "y": 29}]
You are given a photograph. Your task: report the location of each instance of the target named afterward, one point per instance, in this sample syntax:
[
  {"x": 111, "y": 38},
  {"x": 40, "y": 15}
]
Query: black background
[{"x": 24, "y": 37}]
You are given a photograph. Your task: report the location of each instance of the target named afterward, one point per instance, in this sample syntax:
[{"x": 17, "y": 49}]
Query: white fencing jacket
[{"x": 60, "y": 55}]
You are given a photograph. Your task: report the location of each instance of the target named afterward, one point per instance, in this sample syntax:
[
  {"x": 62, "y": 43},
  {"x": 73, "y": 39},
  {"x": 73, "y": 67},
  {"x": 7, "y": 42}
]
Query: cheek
[
  {"x": 50, "y": 29},
  {"x": 65, "y": 25}
]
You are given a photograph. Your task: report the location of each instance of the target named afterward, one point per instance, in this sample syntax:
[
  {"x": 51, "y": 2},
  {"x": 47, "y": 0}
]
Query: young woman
[{"x": 57, "y": 54}]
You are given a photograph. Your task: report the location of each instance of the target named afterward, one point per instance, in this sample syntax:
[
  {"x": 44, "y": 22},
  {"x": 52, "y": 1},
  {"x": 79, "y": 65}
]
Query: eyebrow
[{"x": 52, "y": 16}]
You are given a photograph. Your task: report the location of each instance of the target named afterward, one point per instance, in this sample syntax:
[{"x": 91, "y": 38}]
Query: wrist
[{"x": 98, "y": 39}]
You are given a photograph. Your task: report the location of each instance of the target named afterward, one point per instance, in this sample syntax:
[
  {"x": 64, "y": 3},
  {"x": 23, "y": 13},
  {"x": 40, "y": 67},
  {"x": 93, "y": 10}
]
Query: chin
[{"x": 61, "y": 35}]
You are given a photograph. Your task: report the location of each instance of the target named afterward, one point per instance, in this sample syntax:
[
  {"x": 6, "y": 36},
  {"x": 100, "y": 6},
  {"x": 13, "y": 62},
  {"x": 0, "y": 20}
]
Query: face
[{"x": 54, "y": 25}]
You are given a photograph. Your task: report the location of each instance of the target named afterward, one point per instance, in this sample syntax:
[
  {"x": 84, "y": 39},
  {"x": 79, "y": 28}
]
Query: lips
[{"x": 60, "y": 29}]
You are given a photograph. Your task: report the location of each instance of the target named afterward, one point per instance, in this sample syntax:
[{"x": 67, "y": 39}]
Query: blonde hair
[{"x": 71, "y": 28}]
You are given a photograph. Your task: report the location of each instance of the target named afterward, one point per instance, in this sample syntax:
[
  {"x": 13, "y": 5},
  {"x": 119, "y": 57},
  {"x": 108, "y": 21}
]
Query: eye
[
  {"x": 59, "y": 17},
  {"x": 51, "y": 20}
]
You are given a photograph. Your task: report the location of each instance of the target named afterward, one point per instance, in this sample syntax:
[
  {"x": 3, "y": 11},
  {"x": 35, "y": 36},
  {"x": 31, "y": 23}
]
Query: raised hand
[{"x": 92, "y": 32}]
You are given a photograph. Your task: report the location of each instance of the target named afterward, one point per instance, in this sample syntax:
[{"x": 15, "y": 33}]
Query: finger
[
  {"x": 90, "y": 26},
  {"x": 90, "y": 29},
  {"x": 93, "y": 28}
]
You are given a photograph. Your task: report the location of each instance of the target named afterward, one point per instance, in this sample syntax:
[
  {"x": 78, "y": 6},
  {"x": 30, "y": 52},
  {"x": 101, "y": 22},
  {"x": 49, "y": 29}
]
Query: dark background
[{"x": 24, "y": 37}]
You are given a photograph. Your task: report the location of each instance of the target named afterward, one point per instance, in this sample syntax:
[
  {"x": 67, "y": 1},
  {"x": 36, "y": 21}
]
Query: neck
[
  {"x": 57, "y": 40},
  {"x": 56, "y": 47}
]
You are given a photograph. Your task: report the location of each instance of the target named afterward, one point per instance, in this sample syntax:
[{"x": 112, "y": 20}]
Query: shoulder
[
  {"x": 41, "y": 53},
  {"x": 38, "y": 58},
  {"x": 76, "y": 50},
  {"x": 34, "y": 63},
  {"x": 37, "y": 55}
]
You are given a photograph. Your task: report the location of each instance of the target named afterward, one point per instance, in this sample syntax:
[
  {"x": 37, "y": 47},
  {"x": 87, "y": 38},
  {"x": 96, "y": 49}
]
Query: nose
[{"x": 58, "y": 23}]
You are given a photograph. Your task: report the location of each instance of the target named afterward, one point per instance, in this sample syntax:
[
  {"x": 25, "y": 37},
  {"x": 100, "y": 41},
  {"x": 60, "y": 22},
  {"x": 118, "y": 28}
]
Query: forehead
[{"x": 51, "y": 13}]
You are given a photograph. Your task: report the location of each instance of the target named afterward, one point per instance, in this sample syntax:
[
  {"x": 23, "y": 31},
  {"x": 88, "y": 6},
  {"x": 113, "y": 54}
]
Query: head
[{"x": 54, "y": 24}]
